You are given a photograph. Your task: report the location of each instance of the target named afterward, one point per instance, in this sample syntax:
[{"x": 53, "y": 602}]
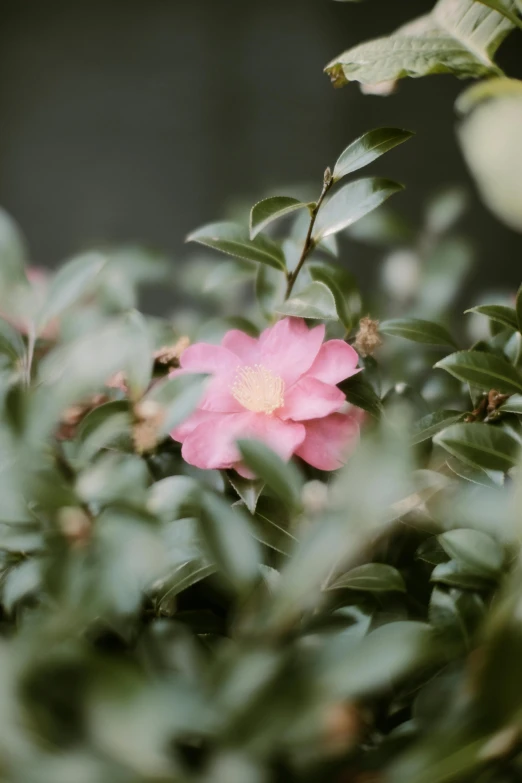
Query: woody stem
[{"x": 309, "y": 243}]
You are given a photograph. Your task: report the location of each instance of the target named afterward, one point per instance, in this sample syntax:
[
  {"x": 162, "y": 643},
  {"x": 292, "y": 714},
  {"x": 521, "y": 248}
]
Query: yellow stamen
[{"x": 258, "y": 390}]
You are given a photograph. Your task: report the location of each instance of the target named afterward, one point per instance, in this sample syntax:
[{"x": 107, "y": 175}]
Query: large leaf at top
[
  {"x": 352, "y": 202},
  {"x": 265, "y": 212},
  {"x": 458, "y": 37},
  {"x": 506, "y": 316},
  {"x": 234, "y": 240},
  {"x": 367, "y": 148},
  {"x": 483, "y": 370}
]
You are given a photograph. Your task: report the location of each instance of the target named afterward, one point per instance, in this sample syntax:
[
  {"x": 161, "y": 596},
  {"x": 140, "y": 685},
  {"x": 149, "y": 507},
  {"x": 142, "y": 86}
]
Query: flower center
[{"x": 258, "y": 389}]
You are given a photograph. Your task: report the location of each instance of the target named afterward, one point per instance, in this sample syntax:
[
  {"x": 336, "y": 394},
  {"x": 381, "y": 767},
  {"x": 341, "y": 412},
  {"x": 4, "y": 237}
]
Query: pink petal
[
  {"x": 310, "y": 398},
  {"x": 289, "y": 348},
  {"x": 204, "y": 357},
  {"x": 244, "y": 346},
  {"x": 335, "y": 361},
  {"x": 212, "y": 445},
  {"x": 283, "y": 437},
  {"x": 218, "y": 396},
  {"x": 180, "y": 432},
  {"x": 329, "y": 441}
]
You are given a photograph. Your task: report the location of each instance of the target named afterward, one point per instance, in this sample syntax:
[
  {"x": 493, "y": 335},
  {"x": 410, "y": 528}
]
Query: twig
[{"x": 309, "y": 244}]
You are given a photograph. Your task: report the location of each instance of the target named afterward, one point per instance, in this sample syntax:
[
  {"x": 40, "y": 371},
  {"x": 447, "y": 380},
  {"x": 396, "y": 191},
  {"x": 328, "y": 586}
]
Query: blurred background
[{"x": 138, "y": 120}]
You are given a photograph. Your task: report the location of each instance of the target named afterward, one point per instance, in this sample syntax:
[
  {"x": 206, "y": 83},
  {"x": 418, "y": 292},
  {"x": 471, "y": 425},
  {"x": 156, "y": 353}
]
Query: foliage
[{"x": 164, "y": 623}]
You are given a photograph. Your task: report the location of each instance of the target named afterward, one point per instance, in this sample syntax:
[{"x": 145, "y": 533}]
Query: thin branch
[{"x": 309, "y": 244}]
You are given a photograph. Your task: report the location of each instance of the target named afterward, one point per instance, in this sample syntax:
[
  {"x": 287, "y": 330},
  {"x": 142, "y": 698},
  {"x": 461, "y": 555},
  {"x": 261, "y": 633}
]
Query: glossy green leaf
[
  {"x": 11, "y": 342},
  {"x": 248, "y": 490},
  {"x": 483, "y": 370},
  {"x": 480, "y": 445},
  {"x": 72, "y": 282},
  {"x": 506, "y": 316},
  {"x": 372, "y": 577},
  {"x": 418, "y": 331},
  {"x": 21, "y": 581},
  {"x": 234, "y": 240},
  {"x": 456, "y": 612},
  {"x": 322, "y": 274},
  {"x": 228, "y": 537},
  {"x": 265, "y": 212},
  {"x": 513, "y": 404},
  {"x": 352, "y": 202},
  {"x": 315, "y": 301},
  {"x": 430, "y": 425},
  {"x": 454, "y": 574},
  {"x": 431, "y": 551},
  {"x": 283, "y": 478},
  {"x": 475, "y": 550},
  {"x": 367, "y": 148},
  {"x": 458, "y": 37},
  {"x": 361, "y": 393}
]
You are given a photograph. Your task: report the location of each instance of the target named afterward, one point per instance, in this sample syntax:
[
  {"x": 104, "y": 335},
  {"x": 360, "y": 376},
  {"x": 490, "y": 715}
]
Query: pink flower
[{"x": 280, "y": 389}]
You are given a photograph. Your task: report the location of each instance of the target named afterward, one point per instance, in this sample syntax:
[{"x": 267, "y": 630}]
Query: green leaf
[
  {"x": 11, "y": 342},
  {"x": 71, "y": 283},
  {"x": 22, "y": 580},
  {"x": 431, "y": 551},
  {"x": 456, "y": 612},
  {"x": 372, "y": 577},
  {"x": 458, "y": 37},
  {"x": 184, "y": 576},
  {"x": 367, "y": 148},
  {"x": 270, "y": 524},
  {"x": 108, "y": 425},
  {"x": 140, "y": 363},
  {"x": 12, "y": 250},
  {"x": 512, "y": 405},
  {"x": 430, "y": 425},
  {"x": 265, "y": 212},
  {"x": 454, "y": 574},
  {"x": 518, "y": 308},
  {"x": 474, "y": 550},
  {"x": 361, "y": 393},
  {"x": 283, "y": 478},
  {"x": 248, "y": 490},
  {"x": 501, "y": 7},
  {"x": 483, "y": 370},
  {"x": 230, "y": 542},
  {"x": 490, "y": 141},
  {"x": 321, "y": 274},
  {"x": 270, "y": 289},
  {"x": 498, "y": 313},
  {"x": 445, "y": 209},
  {"x": 178, "y": 397},
  {"x": 480, "y": 445},
  {"x": 352, "y": 202},
  {"x": 315, "y": 301},
  {"x": 418, "y": 331},
  {"x": 234, "y": 240}
]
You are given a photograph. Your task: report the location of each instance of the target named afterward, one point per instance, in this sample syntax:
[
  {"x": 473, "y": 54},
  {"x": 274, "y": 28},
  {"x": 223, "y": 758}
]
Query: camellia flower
[{"x": 279, "y": 389}]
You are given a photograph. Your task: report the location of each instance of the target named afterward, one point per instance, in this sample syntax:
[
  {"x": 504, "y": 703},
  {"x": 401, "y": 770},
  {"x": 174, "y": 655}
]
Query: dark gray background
[{"x": 139, "y": 119}]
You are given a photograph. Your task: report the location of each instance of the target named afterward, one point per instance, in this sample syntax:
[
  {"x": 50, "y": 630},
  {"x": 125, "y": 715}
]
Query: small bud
[
  {"x": 368, "y": 338},
  {"x": 314, "y": 497},
  {"x": 343, "y": 727},
  {"x": 73, "y": 415},
  {"x": 149, "y": 416},
  {"x": 327, "y": 176},
  {"x": 500, "y": 744},
  {"x": 169, "y": 355},
  {"x": 118, "y": 381},
  {"x": 75, "y": 524}
]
